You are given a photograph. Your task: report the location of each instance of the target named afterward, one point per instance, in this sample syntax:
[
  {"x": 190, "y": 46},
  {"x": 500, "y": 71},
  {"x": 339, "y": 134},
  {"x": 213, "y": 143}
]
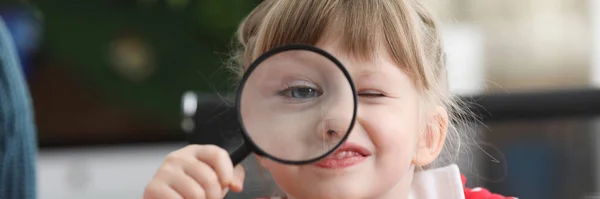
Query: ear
[{"x": 431, "y": 141}]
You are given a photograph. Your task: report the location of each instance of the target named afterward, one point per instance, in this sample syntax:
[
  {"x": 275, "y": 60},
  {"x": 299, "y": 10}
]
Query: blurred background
[{"x": 107, "y": 78}]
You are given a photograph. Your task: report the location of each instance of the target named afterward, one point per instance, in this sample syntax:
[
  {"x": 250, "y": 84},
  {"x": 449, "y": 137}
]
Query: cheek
[{"x": 393, "y": 133}]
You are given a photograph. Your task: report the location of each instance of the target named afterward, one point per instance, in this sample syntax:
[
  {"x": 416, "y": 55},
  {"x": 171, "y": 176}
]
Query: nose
[
  {"x": 335, "y": 120},
  {"x": 337, "y": 108},
  {"x": 331, "y": 130}
]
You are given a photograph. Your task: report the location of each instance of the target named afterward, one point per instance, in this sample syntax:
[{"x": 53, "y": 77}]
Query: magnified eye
[{"x": 301, "y": 92}]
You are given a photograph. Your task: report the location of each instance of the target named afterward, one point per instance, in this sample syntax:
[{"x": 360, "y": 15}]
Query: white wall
[
  {"x": 120, "y": 173},
  {"x": 595, "y": 29},
  {"x": 464, "y": 46},
  {"x": 100, "y": 173}
]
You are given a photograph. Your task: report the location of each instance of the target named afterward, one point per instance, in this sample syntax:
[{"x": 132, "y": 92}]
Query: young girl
[{"x": 403, "y": 131}]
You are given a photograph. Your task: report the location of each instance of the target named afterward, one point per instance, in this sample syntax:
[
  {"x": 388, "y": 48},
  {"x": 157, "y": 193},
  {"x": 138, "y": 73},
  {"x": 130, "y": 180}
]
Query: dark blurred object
[
  {"x": 18, "y": 149},
  {"x": 70, "y": 114},
  {"x": 535, "y": 165},
  {"x": 140, "y": 56},
  {"x": 112, "y": 72},
  {"x": 579, "y": 103},
  {"x": 213, "y": 120},
  {"x": 543, "y": 159},
  {"x": 24, "y": 22}
]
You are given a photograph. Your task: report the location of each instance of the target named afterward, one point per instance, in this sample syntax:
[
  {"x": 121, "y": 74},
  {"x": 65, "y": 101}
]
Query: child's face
[{"x": 389, "y": 126}]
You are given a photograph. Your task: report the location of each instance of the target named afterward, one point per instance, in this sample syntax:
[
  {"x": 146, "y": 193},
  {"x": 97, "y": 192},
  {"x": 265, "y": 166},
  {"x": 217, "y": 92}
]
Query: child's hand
[{"x": 196, "y": 171}]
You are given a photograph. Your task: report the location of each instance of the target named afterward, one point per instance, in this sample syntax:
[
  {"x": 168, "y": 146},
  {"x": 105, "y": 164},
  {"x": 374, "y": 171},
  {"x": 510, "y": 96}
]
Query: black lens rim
[{"x": 255, "y": 148}]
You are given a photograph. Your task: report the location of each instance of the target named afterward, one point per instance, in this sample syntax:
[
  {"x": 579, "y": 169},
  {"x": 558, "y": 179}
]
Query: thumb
[{"x": 238, "y": 178}]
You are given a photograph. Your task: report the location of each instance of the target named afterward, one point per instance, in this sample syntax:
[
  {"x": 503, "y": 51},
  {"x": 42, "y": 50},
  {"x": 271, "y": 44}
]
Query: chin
[
  {"x": 337, "y": 189},
  {"x": 346, "y": 194},
  {"x": 363, "y": 180}
]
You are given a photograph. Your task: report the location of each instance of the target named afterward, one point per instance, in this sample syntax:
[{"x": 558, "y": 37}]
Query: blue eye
[
  {"x": 301, "y": 92},
  {"x": 304, "y": 92}
]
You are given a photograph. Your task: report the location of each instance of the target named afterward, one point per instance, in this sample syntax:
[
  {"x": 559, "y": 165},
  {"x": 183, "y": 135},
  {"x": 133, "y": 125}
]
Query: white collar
[
  {"x": 444, "y": 182},
  {"x": 437, "y": 183}
]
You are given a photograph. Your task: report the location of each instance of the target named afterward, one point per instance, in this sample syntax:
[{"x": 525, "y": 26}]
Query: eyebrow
[
  {"x": 302, "y": 57},
  {"x": 366, "y": 72}
]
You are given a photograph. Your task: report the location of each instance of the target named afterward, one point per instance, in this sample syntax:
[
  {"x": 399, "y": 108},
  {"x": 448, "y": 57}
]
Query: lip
[{"x": 349, "y": 154}]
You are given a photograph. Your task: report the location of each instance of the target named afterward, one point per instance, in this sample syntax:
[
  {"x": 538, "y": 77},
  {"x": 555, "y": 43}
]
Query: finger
[
  {"x": 205, "y": 176},
  {"x": 218, "y": 159},
  {"x": 186, "y": 186},
  {"x": 160, "y": 191},
  {"x": 238, "y": 179},
  {"x": 224, "y": 192}
]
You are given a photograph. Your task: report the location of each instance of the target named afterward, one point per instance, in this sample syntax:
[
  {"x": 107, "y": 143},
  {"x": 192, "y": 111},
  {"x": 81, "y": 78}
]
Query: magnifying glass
[{"x": 296, "y": 104}]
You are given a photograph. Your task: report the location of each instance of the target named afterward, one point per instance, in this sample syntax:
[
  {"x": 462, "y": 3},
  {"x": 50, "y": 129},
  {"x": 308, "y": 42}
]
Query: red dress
[{"x": 480, "y": 193}]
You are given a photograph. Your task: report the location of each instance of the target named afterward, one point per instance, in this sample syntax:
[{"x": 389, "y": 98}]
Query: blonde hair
[{"x": 409, "y": 31}]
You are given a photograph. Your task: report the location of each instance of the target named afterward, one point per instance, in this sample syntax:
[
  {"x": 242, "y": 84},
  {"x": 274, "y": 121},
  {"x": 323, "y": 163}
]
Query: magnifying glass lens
[{"x": 297, "y": 105}]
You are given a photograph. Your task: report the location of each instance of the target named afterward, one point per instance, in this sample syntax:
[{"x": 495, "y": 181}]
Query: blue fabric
[
  {"x": 18, "y": 140},
  {"x": 535, "y": 170}
]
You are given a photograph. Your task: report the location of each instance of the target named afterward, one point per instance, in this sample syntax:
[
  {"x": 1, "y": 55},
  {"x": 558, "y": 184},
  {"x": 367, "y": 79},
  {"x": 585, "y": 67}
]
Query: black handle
[
  {"x": 216, "y": 122},
  {"x": 238, "y": 150}
]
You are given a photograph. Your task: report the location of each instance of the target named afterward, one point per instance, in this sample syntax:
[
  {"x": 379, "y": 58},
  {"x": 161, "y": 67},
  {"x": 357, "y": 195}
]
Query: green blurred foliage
[{"x": 189, "y": 40}]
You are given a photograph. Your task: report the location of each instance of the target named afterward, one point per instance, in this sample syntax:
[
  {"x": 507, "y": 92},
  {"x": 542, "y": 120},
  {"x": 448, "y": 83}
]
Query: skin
[
  {"x": 274, "y": 108},
  {"x": 393, "y": 124}
]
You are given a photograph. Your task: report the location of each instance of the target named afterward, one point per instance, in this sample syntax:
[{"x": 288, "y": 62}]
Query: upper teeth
[{"x": 344, "y": 154}]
